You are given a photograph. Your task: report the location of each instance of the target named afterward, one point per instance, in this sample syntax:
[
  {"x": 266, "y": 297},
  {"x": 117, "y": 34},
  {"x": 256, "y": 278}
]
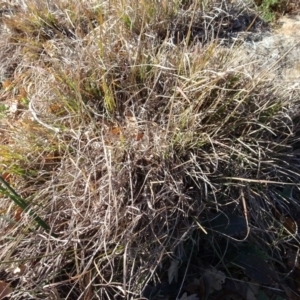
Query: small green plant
[
  {"x": 8, "y": 191},
  {"x": 3, "y": 110},
  {"x": 267, "y": 11},
  {"x": 271, "y": 9}
]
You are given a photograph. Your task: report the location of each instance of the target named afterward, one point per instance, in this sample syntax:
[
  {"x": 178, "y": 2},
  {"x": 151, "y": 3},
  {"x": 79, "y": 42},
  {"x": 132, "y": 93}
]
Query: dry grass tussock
[{"x": 140, "y": 146}]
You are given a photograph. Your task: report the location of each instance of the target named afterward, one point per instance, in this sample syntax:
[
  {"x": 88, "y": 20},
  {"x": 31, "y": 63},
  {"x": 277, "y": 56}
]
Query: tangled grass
[{"x": 140, "y": 145}]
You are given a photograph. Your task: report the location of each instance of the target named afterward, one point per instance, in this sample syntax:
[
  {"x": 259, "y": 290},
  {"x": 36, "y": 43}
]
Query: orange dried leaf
[
  {"x": 116, "y": 131},
  {"x": 18, "y": 213},
  {"x": 22, "y": 93},
  {"x": 6, "y": 84},
  {"x": 139, "y": 136},
  {"x": 290, "y": 225},
  {"x": 55, "y": 108},
  {"x": 6, "y": 176}
]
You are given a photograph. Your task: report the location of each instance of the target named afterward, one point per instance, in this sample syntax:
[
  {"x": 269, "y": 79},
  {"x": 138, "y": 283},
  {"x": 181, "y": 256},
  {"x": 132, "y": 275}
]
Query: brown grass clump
[{"x": 148, "y": 155}]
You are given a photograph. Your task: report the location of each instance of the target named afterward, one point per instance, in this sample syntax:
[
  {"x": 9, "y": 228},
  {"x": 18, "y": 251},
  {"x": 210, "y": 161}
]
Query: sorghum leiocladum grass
[{"x": 132, "y": 142}]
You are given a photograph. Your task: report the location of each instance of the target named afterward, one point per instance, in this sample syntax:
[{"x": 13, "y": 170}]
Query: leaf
[
  {"x": 242, "y": 289},
  {"x": 55, "y": 108},
  {"x": 230, "y": 225},
  {"x": 251, "y": 292},
  {"x": 139, "y": 136},
  {"x": 290, "y": 225},
  {"x": 6, "y": 176},
  {"x": 290, "y": 294},
  {"x": 256, "y": 268},
  {"x": 116, "y": 131},
  {"x": 173, "y": 271},
  {"x": 262, "y": 296},
  {"x": 186, "y": 297},
  {"x": 21, "y": 97},
  {"x": 216, "y": 279},
  {"x": 17, "y": 215},
  {"x": 7, "y": 84},
  {"x": 5, "y": 289},
  {"x": 199, "y": 287}
]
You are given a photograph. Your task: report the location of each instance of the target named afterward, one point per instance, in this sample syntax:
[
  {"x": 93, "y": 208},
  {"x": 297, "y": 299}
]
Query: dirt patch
[
  {"x": 289, "y": 26},
  {"x": 275, "y": 54}
]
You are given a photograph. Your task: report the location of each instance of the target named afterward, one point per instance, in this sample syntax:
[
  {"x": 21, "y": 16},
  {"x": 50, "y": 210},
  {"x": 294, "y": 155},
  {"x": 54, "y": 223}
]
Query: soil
[{"x": 276, "y": 53}]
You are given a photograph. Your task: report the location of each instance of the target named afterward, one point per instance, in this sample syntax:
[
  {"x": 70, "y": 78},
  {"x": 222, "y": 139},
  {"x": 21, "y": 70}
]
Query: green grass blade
[{"x": 13, "y": 195}]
